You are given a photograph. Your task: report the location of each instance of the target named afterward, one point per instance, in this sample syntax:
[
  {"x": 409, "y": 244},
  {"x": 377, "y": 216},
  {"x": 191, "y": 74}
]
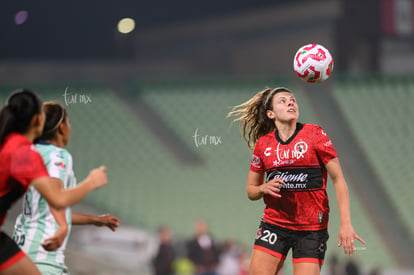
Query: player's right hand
[
  {"x": 272, "y": 187},
  {"x": 98, "y": 177},
  {"x": 110, "y": 221}
]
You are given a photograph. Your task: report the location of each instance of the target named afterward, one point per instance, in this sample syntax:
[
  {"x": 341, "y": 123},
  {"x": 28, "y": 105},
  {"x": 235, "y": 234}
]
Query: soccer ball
[{"x": 313, "y": 63}]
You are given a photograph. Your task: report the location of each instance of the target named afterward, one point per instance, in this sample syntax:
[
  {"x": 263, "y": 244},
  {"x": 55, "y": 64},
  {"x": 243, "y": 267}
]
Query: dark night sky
[{"x": 87, "y": 29}]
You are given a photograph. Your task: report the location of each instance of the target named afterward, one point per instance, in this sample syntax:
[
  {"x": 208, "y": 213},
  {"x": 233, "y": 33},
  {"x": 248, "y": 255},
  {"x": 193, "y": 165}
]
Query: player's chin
[
  {"x": 290, "y": 117},
  {"x": 295, "y": 117}
]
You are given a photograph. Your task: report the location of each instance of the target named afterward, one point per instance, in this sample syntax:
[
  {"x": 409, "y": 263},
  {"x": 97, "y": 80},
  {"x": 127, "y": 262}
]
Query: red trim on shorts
[
  {"x": 307, "y": 260},
  {"x": 271, "y": 252},
  {"x": 14, "y": 259}
]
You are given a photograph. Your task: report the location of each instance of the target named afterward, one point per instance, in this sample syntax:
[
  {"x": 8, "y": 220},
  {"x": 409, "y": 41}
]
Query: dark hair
[
  {"x": 16, "y": 115},
  {"x": 252, "y": 116},
  {"x": 55, "y": 115}
]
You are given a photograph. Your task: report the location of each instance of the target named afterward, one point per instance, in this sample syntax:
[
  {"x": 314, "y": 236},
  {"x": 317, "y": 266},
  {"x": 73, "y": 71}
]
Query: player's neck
[
  {"x": 30, "y": 136},
  {"x": 286, "y": 130},
  {"x": 57, "y": 142}
]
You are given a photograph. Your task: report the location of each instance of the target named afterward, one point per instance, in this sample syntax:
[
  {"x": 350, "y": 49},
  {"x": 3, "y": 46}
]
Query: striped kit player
[{"x": 36, "y": 223}]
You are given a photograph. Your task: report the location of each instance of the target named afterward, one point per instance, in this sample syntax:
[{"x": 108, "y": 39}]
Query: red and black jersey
[
  {"x": 300, "y": 162},
  {"x": 20, "y": 164}
]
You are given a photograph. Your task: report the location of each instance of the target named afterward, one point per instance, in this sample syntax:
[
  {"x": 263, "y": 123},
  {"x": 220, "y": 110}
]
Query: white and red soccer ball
[{"x": 313, "y": 63}]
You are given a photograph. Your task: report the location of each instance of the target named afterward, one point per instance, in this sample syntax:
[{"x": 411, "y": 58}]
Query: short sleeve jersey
[
  {"x": 300, "y": 162},
  {"x": 20, "y": 164}
]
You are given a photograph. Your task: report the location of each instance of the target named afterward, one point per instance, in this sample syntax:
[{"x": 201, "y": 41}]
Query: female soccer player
[
  {"x": 21, "y": 122},
  {"x": 40, "y": 231},
  {"x": 289, "y": 170}
]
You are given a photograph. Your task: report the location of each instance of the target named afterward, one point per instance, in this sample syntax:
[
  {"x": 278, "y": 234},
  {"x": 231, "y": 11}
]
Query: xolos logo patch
[{"x": 300, "y": 149}]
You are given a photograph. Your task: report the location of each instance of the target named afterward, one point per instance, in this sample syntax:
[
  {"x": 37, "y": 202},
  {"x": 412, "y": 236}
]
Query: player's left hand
[
  {"x": 346, "y": 237},
  {"x": 54, "y": 242},
  {"x": 110, "y": 221}
]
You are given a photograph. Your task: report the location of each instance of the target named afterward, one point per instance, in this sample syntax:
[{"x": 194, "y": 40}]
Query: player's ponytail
[
  {"x": 252, "y": 116},
  {"x": 18, "y": 112},
  {"x": 56, "y": 114}
]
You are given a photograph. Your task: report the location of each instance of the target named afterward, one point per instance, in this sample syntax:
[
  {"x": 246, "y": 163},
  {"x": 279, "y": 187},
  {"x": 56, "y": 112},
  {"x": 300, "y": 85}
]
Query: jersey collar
[
  {"x": 43, "y": 142},
  {"x": 299, "y": 127}
]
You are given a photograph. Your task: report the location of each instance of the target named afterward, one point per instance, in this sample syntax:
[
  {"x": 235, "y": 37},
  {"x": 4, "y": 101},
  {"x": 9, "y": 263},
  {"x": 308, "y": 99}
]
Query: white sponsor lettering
[
  {"x": 300, "y": 149},
  {"x": 328, "y": 143},
  {"x": 283, "y": 162},
  {"x": 292, "y": 178},
  {"x": 292, "y": 181},
  {"x": 294, "y": 186}
]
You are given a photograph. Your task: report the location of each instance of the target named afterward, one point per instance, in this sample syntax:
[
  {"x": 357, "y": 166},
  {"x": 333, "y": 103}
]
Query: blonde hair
[{"x": 252, "y": 116}]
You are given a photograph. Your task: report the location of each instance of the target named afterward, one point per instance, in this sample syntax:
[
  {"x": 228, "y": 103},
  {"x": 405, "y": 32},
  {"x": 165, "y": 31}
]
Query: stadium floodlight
[{"x": 126, "y": 25}]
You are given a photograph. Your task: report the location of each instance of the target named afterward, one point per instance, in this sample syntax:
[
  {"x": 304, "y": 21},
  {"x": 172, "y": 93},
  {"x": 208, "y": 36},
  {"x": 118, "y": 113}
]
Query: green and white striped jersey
[{"x": 36, "y": 223}]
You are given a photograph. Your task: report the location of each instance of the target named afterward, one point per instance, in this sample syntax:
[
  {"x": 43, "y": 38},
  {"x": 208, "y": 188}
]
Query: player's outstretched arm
[
  {"x": 51, "y": 188},
  {"x": 346, "y": 235},
  {"x": 107, "y": 220}
]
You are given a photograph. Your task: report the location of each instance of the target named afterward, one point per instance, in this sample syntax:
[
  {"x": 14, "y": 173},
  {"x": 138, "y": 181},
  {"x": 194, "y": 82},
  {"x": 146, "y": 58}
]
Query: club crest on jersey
[
  {"x": 255, "y": 162},
  {"x": 300, "y": 149}
]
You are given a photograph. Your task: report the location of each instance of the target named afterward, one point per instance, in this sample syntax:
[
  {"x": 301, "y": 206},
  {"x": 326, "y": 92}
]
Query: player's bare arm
[
  {"x": 107, "y": 220},
  {"x": 54, "y": 242},
  {"x": 256, "y": 188},
  {"x": 51, "y": 188},
  {"x": 346, "y": 235}
]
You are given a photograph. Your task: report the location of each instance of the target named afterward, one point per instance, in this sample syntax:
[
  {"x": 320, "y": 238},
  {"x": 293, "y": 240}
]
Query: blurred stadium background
[{"x": 139, "y": 102}]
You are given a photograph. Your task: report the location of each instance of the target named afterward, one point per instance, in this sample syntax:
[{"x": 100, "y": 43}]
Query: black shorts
[
  {"x": 10, "y": 252},
  {"x": 307, "y": 246}
]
